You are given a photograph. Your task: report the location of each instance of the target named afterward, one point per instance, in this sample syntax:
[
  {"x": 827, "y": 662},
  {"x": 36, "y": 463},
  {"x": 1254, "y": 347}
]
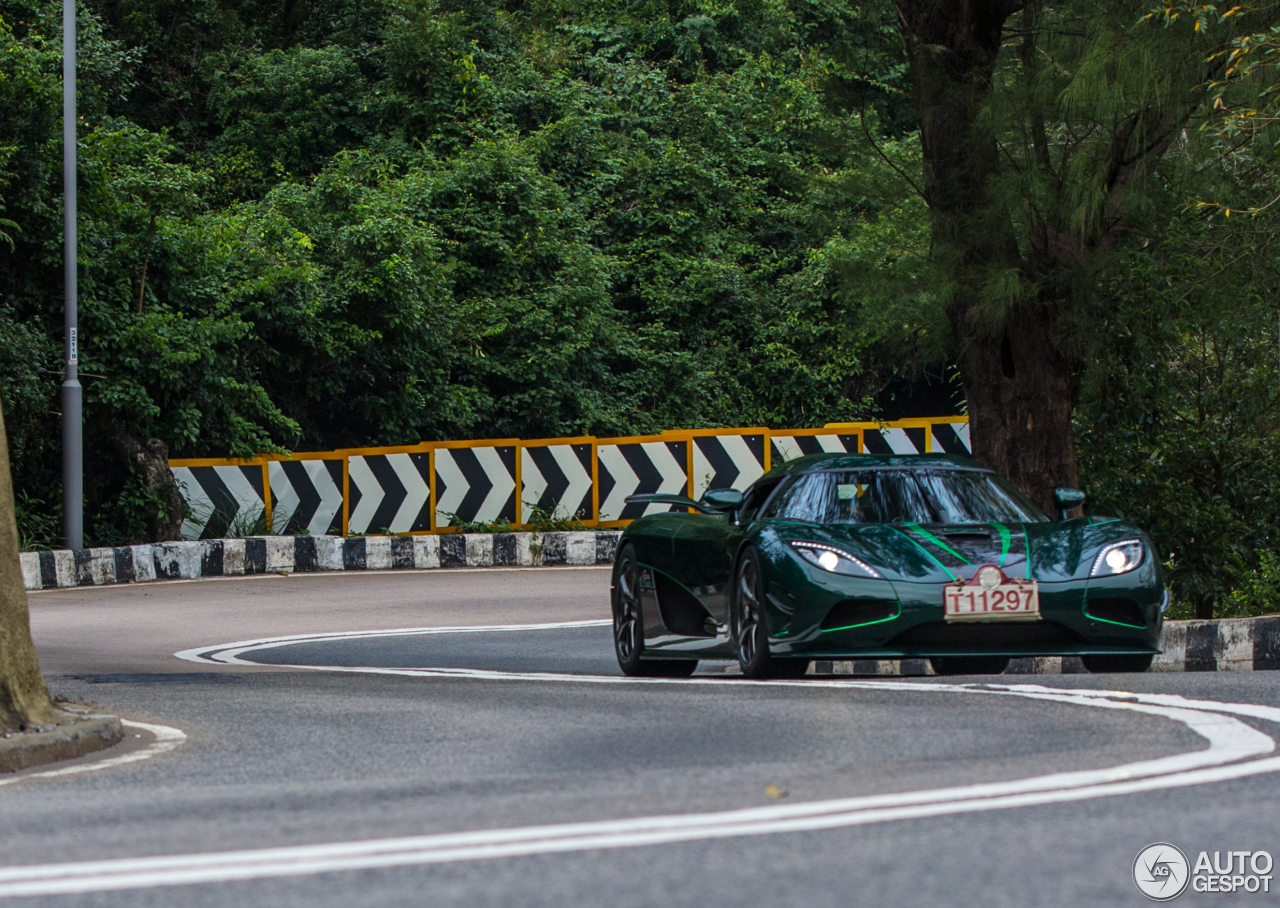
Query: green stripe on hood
[
  {"x": 1006, "y": 540},
  {"x": 932, "y": 557},
  {"x": 916, "y": 528}
]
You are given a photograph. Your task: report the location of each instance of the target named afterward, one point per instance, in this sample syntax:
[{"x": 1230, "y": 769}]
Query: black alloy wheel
[
  {"x": 969, "y": 665},
  {"x": 628, "y": 625},
  {"x": 1119, "y": 663},
  {"x": 749, "y": 625}
]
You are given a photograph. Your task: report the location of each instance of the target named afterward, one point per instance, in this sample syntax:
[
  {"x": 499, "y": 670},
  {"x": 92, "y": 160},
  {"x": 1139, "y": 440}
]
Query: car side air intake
[
  {"x": 1117, "y": 610},
  {"x": 853, "y": 612}
]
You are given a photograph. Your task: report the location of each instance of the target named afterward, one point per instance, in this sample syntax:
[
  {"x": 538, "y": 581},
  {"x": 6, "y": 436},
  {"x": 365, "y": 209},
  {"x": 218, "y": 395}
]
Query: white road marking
[
  {"x": 225, "y": 654},
  {"x": 166, "y": 739},
  {"x": 1235, "y": 750}
]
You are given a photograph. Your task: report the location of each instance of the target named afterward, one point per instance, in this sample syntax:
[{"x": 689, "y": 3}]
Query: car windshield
[{"x": 902, "y": 496}]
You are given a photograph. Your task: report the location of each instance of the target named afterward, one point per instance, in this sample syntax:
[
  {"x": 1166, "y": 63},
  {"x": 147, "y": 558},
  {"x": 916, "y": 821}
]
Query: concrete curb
[
  {"x": 309, "y": 554},
  {"x": 79, "y": 736}
]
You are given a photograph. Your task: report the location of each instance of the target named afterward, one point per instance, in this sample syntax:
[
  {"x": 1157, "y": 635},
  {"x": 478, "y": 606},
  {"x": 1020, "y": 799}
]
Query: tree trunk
[
  {"x": 24, "y": 699},
  {"x": 1019, "y": 392},
  {"x": 150, "y": 457},
  {"x": 1017, "y": 383}
]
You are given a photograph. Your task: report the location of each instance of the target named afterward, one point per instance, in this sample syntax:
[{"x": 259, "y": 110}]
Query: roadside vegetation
[{"x": 330, "y": 224}]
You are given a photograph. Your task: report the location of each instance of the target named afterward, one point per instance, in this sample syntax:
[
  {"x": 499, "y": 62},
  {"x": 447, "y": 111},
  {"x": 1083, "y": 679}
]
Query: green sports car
[{"x": 849, "y": 556}]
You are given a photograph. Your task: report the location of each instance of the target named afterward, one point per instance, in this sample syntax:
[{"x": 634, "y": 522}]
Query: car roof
[{"x": 814, "y": 462}]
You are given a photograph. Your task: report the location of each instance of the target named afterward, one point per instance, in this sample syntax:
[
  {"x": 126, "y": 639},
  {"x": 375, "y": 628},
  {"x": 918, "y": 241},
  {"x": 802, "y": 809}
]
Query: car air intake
[
  {"x": 852, "y": 612},
  {"x": 941, "y": 637},
  {"x": 1117, "y": 610}
]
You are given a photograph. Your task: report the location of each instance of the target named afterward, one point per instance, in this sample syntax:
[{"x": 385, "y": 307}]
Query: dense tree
[
  {"x": 1045, "y": 131},
  {"x": 339, "y": 224}
]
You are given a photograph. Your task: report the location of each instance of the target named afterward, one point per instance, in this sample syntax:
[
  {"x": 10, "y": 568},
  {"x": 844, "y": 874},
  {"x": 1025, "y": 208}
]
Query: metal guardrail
[{"x": 433, "y": 487}]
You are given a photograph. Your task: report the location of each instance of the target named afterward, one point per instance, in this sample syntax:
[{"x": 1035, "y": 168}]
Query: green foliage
[
  {"x": 540, "y": 520},
  {"x": 1179, "y": 414},
  {"x": 1258, "y": 592},
  {"x": 39, "y": 522},
  {"x": 330, "y": 224}
]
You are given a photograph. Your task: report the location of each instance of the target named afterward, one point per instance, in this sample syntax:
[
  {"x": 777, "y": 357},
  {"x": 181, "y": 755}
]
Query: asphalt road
[{"x": 484, "y": 741}]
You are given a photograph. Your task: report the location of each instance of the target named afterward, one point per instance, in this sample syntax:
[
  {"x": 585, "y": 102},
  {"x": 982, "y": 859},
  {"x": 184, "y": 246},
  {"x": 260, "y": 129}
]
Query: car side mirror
[
  {"x": 1067, "y": 499},
  {"x": 727, "y": 500}
]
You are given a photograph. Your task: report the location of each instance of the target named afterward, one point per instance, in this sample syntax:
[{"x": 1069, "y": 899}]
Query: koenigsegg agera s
[{"x": 845, "y": 556}]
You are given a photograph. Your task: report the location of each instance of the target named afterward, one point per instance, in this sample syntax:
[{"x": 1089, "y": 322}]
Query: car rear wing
[{"x": 670, "y": 498}]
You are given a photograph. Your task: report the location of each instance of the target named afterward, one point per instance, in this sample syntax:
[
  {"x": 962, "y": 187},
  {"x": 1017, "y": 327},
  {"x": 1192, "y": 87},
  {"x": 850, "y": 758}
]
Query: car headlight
[
  {"x": 1118, "y": 558},
  {"x": 835, "y": 560}
]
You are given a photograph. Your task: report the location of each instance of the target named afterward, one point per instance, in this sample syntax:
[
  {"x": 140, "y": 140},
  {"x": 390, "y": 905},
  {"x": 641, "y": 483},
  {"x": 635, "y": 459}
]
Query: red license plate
[{"x": 1006, "y": 602}]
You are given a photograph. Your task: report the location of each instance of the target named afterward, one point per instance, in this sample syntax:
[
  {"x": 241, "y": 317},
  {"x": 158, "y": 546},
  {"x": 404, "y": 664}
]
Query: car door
[
  {"x": 706, "y": 545},
  {"x": 703, "y": 553}
]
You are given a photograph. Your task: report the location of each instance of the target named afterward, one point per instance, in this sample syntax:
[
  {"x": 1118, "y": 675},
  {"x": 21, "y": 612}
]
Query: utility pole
[{"x": 72, "y": 421}]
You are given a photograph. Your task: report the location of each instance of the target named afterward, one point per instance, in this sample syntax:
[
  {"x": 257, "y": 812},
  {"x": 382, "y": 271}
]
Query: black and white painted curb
[{"x": 308, "y": 554}]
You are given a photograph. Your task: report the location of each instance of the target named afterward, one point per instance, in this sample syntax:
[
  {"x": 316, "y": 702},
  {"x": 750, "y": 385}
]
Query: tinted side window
[
  {"x": 755, "y": 497},
  {"x": 804, "y": 498}
]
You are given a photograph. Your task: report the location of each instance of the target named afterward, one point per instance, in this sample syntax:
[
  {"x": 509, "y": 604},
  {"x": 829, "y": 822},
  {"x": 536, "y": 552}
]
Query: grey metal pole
[{"x": 72, "y": 421}]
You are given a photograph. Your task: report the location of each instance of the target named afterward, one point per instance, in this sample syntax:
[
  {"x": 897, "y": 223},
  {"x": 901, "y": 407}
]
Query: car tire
[
  {"x": 749, "y": 625},
  {"x": 628, "y": 625},
  {"x": 969, "y": 665},
  {"x": 1124, "y": 663}
]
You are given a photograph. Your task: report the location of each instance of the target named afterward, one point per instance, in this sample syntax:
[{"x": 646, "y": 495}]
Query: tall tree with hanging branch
[{"x": 1044, "y": 131}]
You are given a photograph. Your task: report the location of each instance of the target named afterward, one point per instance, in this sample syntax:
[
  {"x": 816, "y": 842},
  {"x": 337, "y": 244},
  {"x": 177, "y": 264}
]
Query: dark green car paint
[{"x": 688, "y": 562}]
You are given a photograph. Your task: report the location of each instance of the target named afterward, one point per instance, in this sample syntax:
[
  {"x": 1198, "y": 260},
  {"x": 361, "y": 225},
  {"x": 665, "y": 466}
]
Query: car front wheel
[{"x": 750, "y": 626}]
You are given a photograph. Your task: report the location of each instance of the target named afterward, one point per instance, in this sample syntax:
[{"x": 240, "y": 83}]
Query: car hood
[{"x": 1046, "y": 552}]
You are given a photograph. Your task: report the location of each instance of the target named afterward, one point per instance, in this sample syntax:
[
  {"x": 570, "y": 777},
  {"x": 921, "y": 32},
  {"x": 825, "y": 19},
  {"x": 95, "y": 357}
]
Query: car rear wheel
[
  {"x": 969, "y": 665},
  {"x": 1125, "y": 663},
  {"x": 750, "y": 627},
  {"x": 628, "y": 625}
]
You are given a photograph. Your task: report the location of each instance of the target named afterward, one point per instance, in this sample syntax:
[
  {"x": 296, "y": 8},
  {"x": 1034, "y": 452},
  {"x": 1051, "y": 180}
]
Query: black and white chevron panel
[
  {"x": 640, "y": 468},
  {"x": 388, "y": 493},
  {"x": 476, "y": 484},
  {"x": 789, "y": 447},
  {"x": 887, "y": 440},
  {"x": 224, "y": 501},
  {"x": 306, "y": 496},
  {"x": 556, "y": 479},
  {"x": 726, "y": 461},
  {"x": 951, "y": 438}
]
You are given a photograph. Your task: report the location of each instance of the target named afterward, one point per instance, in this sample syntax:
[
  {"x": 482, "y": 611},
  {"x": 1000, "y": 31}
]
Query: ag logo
[{"x": 1161, "y": 872}]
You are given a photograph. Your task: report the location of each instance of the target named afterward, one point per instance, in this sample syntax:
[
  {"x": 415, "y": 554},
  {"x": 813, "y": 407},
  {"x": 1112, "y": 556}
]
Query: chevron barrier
[{"x": 457, "y": 486}]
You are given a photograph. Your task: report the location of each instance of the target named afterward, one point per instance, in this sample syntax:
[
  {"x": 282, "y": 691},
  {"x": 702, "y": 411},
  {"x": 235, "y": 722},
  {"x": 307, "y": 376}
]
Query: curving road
[{"x": 470, "y": 762}]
